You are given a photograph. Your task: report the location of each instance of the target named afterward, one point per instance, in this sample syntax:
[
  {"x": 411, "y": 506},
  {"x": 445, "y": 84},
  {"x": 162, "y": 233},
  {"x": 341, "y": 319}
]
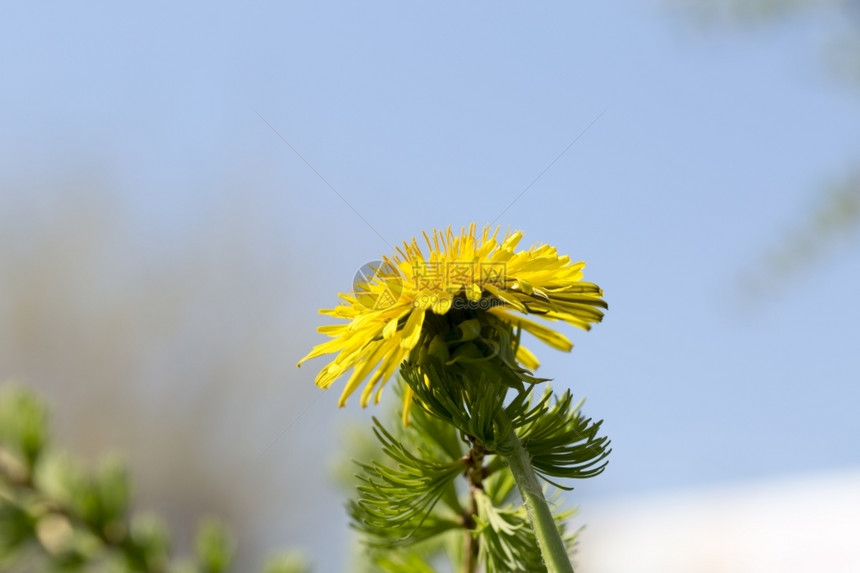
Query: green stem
[
  {"x": 475, "y": 476},
  {"x": 470, "y": 545},
  {"x": 549, "y": 540}
]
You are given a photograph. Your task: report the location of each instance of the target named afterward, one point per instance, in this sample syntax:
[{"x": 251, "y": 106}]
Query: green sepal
[{"x": 469, "y": 404}]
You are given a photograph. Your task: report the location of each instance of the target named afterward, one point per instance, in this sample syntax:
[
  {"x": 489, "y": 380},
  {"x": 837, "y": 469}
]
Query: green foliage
[
  {"x": 214, "y": 546},
  {"x": 428, "y": 556},
  {"x": 99, "y": 499},
  {"x": 287, "y": 563},
  {"x": 17, "y": 528},
  {"x": 468, "y": 404},
  {"x": 23, "y": 425},
  {"x": 457, "y": 428},
  {"x": 507, "y": 540},
  {"x": 150, "y": 535},
  {"x": 403, "y": 563},
  {"x": 473, "y": 416},
  {"x": 560, "y": 442},
  {"x": 434, "y": 533},
  {"x": 56, "y": 516},
  {"x": 395, "y": 499}
]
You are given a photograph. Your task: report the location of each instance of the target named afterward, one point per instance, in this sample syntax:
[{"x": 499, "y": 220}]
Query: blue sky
[{"x": 707, "y": 150}]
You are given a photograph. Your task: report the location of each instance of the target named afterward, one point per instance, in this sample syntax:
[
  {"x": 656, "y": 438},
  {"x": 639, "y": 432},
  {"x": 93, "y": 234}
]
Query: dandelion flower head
[{"x": 462, "y": 279}]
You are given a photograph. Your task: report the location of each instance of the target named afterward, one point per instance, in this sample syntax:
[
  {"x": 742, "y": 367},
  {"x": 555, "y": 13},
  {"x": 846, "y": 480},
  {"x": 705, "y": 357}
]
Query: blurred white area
[{"x": 797, "y": 524}]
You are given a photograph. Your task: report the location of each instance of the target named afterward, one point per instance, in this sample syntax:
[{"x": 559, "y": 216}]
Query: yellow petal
[
  {"x": 442, "y": 304},
  {"x": 506, "y": 297},
  {"x": 390, "y": 328},
  {"x": 543, "y": 333},
  {"x": 412, "y": 329},
  {"x": 526, "y": 358},
  {"x": 407, "y": 404},
  {"x": 474, "y": 292}
]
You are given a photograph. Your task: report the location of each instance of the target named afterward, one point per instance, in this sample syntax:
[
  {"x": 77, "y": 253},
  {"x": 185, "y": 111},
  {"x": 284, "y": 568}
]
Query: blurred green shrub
[{"x": 58, "y": 516}]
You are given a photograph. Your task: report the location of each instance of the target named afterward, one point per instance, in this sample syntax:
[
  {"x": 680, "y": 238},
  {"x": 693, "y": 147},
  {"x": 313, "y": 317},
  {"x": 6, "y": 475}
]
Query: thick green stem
[{"x": 549, "y": 540}]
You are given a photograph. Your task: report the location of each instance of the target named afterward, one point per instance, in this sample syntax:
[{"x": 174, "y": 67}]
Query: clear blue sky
[{"x": 708, "y": 149}]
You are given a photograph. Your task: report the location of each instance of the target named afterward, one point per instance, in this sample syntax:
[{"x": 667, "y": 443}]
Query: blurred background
[{"x": 183, "y": 186}]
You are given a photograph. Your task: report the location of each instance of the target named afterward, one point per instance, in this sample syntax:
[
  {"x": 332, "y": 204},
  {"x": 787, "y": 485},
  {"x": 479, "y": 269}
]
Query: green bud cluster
[{"x": 470, "y": 343}]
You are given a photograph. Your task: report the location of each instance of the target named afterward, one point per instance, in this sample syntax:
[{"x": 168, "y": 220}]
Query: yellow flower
[{"x": 468, "y": 274}]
